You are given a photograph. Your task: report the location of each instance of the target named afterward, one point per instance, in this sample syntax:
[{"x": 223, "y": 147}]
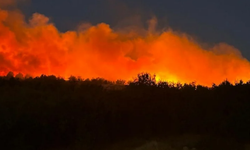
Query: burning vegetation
[{"x": 36, "y": 47}]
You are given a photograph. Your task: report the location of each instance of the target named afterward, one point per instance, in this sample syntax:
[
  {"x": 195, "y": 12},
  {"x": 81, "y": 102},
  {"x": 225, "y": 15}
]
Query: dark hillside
[{"x": 49, "y": 112}]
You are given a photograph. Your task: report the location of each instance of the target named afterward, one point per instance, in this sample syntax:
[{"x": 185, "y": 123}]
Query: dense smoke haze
[{"x": 36, "y": 47}]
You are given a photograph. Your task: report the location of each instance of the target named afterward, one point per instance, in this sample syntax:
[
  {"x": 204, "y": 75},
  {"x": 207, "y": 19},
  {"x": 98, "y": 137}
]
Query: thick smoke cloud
[{"x": 37, "y": 47}]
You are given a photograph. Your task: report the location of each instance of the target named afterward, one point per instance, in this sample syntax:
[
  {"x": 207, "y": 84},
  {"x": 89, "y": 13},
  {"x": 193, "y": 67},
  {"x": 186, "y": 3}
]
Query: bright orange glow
[{"x": 37, "y": 47}]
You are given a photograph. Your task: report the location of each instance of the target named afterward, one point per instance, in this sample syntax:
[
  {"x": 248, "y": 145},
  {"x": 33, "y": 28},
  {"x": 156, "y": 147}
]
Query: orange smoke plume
[{"x": 37, "y": 47}]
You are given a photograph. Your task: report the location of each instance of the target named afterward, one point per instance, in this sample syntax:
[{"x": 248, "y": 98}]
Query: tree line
[{"x": 50, "y": 112}]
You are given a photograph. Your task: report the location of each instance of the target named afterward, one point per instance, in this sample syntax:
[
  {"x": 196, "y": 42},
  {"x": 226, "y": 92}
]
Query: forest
[{"x": 49, "y": 112}]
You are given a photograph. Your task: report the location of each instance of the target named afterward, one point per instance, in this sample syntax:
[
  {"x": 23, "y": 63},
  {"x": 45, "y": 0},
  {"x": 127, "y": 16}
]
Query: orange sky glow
[{"x": 37, "y": 47}]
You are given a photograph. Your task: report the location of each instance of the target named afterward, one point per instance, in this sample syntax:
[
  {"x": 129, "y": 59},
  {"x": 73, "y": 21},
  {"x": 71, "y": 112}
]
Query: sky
[{"x": 209, "y": 21}]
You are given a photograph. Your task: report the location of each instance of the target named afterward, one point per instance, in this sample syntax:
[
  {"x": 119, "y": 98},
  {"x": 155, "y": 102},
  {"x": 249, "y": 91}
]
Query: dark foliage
[{"x": 46, "y": 112}]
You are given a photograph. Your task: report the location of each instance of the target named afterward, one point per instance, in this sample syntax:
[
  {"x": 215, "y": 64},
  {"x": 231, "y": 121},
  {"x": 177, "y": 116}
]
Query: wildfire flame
[{"x": 37, "y": 47}]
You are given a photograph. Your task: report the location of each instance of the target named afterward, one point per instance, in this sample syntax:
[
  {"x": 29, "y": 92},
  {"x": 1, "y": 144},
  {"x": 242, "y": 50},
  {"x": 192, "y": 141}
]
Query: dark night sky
[{"x": 212, "y": 21}]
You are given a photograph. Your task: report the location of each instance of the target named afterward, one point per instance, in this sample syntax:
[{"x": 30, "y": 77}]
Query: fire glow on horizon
[{"x": 37, "y": 47}]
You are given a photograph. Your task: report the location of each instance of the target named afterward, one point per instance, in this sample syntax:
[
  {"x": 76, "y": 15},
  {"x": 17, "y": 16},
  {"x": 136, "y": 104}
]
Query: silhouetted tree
[
  {"x": 10, "y": 75},
  {"x": 145, "y": 79},
  {"x": 19, "y": 76},
  {"x": 49, "y": 112}
]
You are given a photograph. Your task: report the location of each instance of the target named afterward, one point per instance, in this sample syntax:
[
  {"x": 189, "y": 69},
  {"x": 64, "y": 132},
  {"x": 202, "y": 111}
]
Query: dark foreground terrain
[{"x": 49, "y": 113}]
